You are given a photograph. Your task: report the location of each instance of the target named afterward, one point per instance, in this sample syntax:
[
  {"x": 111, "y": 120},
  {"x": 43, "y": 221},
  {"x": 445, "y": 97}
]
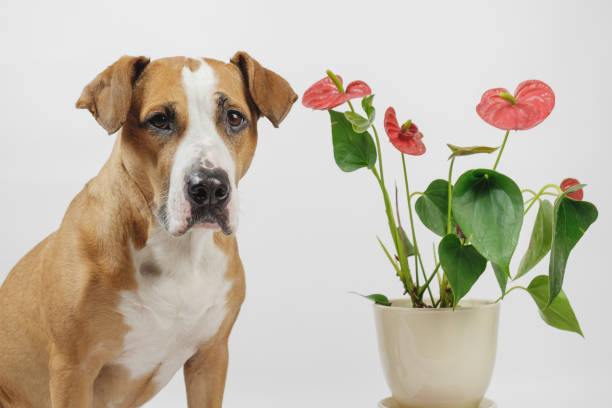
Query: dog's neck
[{"x": 125, "y": 195}]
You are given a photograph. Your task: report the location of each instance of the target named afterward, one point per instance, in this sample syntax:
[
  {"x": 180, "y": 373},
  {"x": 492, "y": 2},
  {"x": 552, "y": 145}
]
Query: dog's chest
[{"x": 179, "y": 303}]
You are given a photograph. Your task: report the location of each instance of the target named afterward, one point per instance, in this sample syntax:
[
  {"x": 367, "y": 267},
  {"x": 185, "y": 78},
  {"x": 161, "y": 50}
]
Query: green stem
[
  {"x": 408, "y": 282},
  {"x": 415, "y": 193},
  {"x": 450, "y": 175},
  {"x": 502, "y": 149},
  {"x": 380, "y": 165},
  {"x": 541, "y": 192},
  {"x": 417, "y": 255},
  {"x": 527, "y": 190},
  {"x": 446, "y": 294},
  {"x": 426, "y": 284},
  {"x": 510, "y": 290},
  {"x": 397, "y": 269},
  {"x": 351, "y": 106}
]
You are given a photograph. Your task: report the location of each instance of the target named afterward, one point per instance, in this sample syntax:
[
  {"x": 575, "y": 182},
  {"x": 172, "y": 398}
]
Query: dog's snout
[{"x": 208, "y": 188}]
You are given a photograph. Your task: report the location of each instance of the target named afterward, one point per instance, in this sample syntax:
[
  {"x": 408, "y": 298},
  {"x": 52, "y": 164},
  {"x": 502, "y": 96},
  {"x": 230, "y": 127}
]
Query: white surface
[{"x": 307, "y": 234}]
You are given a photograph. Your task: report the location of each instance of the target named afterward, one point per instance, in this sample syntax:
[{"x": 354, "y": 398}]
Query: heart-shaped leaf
[
  {"x": 489, "y": 208},
  {"x": 466, "y": 151},
  {"x": 502, "y": 278},
  {"x": 541, "y": 239},
  {"x": 352, "y": 150},
  {"x": 559, "y": 313},
  {"x": 359, "y": 123},
  {"x": 571, "y": 219},
  {"x": 432, "y": 207},
  {"x": 376, "y": 298},
  {"x": 462, "y": 265}
]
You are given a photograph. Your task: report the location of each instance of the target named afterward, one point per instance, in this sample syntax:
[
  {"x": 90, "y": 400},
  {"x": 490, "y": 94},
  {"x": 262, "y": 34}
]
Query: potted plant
[{"x": 437, "y": 348}]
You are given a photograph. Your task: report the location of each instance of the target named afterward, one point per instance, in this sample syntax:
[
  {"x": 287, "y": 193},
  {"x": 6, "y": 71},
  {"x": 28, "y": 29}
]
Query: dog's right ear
[{"x": 109, "y": 95}]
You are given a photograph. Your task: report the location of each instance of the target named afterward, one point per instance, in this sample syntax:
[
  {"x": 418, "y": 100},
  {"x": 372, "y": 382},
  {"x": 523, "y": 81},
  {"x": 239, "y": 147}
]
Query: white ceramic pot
[{"x": 437, "y": 358}]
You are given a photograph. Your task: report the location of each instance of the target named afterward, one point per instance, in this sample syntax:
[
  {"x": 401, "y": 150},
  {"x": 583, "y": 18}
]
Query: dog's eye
[
  {"x": 235, "y": 118},
  {"x": 160, "y": 121}
]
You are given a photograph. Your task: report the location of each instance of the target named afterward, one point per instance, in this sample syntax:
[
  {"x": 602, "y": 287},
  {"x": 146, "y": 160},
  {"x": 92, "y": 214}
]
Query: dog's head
[{"x": 189, "y": 130}]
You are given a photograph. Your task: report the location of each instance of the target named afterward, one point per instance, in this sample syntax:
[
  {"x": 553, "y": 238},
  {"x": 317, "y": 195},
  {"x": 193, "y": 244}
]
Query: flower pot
[{"x": 437, "y": 358}]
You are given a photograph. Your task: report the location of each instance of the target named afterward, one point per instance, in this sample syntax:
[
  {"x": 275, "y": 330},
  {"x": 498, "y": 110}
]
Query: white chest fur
[{"x": 179, "y": 303}]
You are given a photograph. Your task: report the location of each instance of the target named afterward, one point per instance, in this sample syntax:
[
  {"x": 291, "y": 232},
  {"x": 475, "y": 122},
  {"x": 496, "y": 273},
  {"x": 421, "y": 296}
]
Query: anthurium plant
[{"x": 478, "y": 215}]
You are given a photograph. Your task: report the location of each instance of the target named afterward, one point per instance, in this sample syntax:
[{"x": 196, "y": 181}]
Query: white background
[{"x": 308, "y": 230}]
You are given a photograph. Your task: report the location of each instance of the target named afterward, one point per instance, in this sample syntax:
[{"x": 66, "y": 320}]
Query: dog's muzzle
[{"x": 208, "y": 191}]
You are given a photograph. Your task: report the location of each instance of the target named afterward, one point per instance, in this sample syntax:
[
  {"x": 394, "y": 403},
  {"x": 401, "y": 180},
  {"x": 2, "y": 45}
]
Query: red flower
[
  {"x": 571, "y": 182},
  {"x": 531, "y": 104},
  {"x": 325, "y": 95},
  {"x": 405, "y": 140}
]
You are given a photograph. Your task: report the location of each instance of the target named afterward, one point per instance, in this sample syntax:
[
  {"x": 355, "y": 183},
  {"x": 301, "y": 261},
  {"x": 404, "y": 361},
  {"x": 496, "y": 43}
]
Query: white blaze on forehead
[{"x": 201, "y": 143}]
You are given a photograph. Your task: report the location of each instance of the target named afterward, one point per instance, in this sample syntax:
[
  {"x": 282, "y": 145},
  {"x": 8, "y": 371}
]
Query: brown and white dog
[{"x": 143, "y": 276}]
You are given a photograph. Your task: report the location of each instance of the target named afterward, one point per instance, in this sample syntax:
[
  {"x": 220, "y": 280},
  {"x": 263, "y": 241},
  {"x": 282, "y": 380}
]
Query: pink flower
[
  {"x": 532, "y": 102},
  {"x": 406, "y": 139},
  {"x": 324, "y": 94},
  {"x": 571, "y": 182}
]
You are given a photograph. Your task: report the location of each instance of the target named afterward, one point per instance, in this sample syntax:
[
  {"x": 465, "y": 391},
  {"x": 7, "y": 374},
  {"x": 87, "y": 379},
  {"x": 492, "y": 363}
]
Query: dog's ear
[
  {"x": 271, "y": 94},
  {"x": 109, "y": 95}
]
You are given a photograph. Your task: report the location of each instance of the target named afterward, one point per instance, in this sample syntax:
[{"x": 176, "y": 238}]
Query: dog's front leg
[
  {"x": 205, "y": 374},
  {"x": 70, "y": 382}
]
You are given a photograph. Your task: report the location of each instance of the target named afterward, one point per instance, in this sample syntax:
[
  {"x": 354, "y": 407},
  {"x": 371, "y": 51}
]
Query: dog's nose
[{"x": 208, "y": 188}]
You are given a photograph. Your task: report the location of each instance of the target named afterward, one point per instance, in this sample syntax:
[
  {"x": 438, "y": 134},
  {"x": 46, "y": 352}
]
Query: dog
[{"x": 143, "y": 276}]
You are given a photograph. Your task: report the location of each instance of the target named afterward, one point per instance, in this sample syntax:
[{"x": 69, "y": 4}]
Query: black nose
[{"x": 208, "y": 188}]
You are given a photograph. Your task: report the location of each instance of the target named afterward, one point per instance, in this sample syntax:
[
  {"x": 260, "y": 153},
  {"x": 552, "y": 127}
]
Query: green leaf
[
  {"x": 462, "y": 265},
  {"x": 489, "y": 208},
  {"x": 408, "y": 247},
  {"x": 541, "y": 239},
  {"x": 559, "y": 313},
  {"x": 571, "y": 219},
  {"x": 352, "y": 150},
  {"x": 502, "y": 278},
  {"x": 466, "y": 151},
  {"x": 366, "y": 104},
  {"x": 432, "y": 207},
  {"x": 376, "y": 298},
  {"x": 358, "y": 122}
]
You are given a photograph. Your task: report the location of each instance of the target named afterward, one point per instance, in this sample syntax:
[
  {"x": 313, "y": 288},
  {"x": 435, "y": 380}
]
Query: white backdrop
[{"x": 301, "y": 340}]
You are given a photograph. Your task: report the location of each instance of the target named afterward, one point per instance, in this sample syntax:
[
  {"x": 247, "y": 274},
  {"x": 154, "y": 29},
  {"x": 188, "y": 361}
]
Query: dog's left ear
[
  {"x": 271, "y": 93},
  {"x": 109, "y": 96}
]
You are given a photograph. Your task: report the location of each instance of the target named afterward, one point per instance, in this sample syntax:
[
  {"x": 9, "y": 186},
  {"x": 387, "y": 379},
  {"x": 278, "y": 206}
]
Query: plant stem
[
  {"x": 397, "y": 269},
  {"x": 450, "y": 179},
  {"x": 380, "y": 165},
  {"x": 542, "y": 192},
  {"x": 350, "y": 106},
  {"x": 502, "y": 149},
  {"x": 417, "y": 254},
  {"x": 510, "y": 290},
  {"x": 408, "y": 282},
  {"x": 415, "y": 193},
  {"x": 446, "y": 293},
  {"x": 426, "y": 284},
  {"x": 527, "y": 190}
]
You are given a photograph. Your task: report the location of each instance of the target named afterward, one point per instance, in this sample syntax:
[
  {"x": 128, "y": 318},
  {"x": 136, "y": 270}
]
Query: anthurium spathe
[
  {"x": 531, "y": 103},
  {"x": 407, "y": 138},
  {"x": 325, "y": 93},
  {"x": 569, "y": 183}
]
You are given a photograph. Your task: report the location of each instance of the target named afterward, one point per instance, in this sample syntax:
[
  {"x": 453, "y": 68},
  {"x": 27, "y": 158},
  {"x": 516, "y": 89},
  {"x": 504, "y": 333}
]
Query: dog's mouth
[
  {"x": 210, "y": 218},
  {"x": 199, "y": 218}
]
